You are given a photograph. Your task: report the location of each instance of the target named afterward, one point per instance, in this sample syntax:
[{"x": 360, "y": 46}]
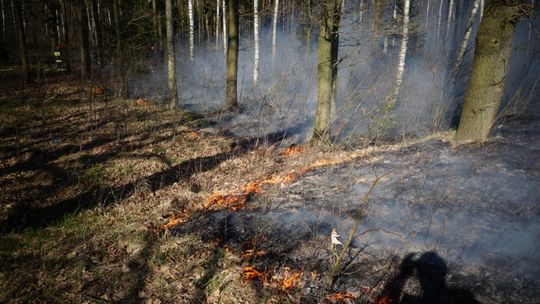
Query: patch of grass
[
  {"x": 95, "y": 173},
  {"x": 218, "y": 281}
]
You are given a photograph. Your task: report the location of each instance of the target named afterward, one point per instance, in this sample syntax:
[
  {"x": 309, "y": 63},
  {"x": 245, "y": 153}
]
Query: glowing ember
[
  {"x": 251, "y": 273},
  {"x": 292, "y": 150},
  {"x": 252, "y": 187},
  {"x": 98, "y": 90},
  {"x": 345, "y": 297},
  {"x": 384, "y": 300},
  {"x": 252, "y": 253},
  {"x": 194, "y": 134},
  {"x": 141, "y": 102}
]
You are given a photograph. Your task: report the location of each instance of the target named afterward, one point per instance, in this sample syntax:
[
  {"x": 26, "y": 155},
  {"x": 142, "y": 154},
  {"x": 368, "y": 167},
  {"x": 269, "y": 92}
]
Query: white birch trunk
[
  {"x": 224, "y": 27},
  {"x": 466, "y": 37},
  {"x": 439, "y": 16},
  {"x": 481, "y": 8},
  {"x": 256, "y": 41},
  {"x": 402, "y": 51},
  {"x": 191, "y": 29},
  {"x": 449, "y": 18},
  {"x": 274, "y": 28},
  {"x": 218, "y": 19}
]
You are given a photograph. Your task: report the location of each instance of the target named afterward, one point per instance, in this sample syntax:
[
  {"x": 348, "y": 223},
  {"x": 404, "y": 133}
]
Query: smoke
[{"x": 286, "y": 93}]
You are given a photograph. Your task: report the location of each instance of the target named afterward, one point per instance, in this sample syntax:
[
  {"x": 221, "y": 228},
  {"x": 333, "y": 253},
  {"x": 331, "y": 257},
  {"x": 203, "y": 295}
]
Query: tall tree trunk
[
  {"x": 231, "y": 101},
  {"x": 25, "y": 63},
  {"x": 466, "y": 37},
  {"x": 66, "y": 27},
  {"x": 191, "y": 29},
  {"x": 225, "y": 35},
  {"x": 274, "y": 28},
  {"x": 156, "y": 24},
  {"x": 218, "y": 19},
  {"x": 171, "y": 65},
  {"x": 123, "y": 85},
  {"x": 490, "y": 65},
  {"x": 86, "y": 69},
  {"x": 449, "y": 19},
  {"x": 97, "y": 29},
  {"x": 402, "y": 54},
  {"x": 326, "y": 68},
  {"x": 256, "y": 41},
  {"x": 439, "y": 18},
  {"x": 3, "y": 20}
]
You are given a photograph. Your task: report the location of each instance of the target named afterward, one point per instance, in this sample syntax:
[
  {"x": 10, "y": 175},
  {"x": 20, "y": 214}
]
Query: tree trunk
[
  {"x": 123, "y": 89},
  {"x": 155, "y": 21},
  {"x": 98, "y": 31},
  {"x": 67, "y": 46},
  {"x": 86, "y": 69},
  {"x": 326, "y": 68},
  {"x": 225, "y": 36},
  {"x": 171, "y": 66},
  {"x": 402, "y": 55},
  {"x": 274, "y": 28},
  {"x": 3, "y": 20},
  {"x": 490, "y": 65},
  {"x": 465, "y": 41},
  {"x": 256, "y": 42},
  {"x": 218, "y": 19},
  {"x": 25, "y": 63},
  {"x": 231, "y": 101},
  {"x": 191, "y": 29}
]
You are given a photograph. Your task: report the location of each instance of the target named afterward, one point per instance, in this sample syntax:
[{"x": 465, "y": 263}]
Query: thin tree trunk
[
  {"x": 491, "y": 58},
  {"x": 402, "y": 53},
  {"x": 97, "y": 28},
  {"x": 231, "y": 101},
  {"x": 171, "y": 65},
  {"x": 256, "y": 41},
  {"x": 25, "y": 63},
  {"x": 155, "y": 18},
  {"x": 225, "y": 36},
  {"x": 466, "y": 37},
  {"x": 449, "y": 18},
  {"x": 439, "y": 20},
  {"x": 3, "y": 21},
  {"x": 191, "y": 29},
  {"x": 326, "y": 69},
  {"x": 123, "y": 89},
  {"x": 274, "y": 28},
  {"x": 86, "y": 70},
  {"x": 218, "y": 19},
  {"x": 67, "y": 45}
]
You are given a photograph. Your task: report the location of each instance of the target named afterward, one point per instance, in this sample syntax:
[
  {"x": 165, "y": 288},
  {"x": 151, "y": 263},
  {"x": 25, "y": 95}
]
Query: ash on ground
[{"x": 473, "y": 207}]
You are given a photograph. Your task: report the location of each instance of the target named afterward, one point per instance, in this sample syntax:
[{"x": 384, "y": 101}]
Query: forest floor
[{"x": 120, "y": 201}]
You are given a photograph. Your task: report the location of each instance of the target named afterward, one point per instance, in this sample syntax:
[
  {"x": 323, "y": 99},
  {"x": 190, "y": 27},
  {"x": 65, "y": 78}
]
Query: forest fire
[
  {"x": 293, "y": 150},
  {"x": 291, "y": 280},
  {"x": 222, "y": 201},
  {"x": 252, "y": 253},
  {"x": 251, "y": 273},
  {"x": 176, "y": 219},
  {"x": 341, "y": 297}
]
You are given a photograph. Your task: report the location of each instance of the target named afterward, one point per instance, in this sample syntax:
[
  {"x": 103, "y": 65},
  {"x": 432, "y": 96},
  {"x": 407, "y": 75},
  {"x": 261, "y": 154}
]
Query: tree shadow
[
  {"x": 430, "y": 270},
  {"x": 23, "y": 217}
]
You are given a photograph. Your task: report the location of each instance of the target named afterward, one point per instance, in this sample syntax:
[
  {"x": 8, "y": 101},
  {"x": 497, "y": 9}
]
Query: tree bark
[
  {"x": 326, "y": 69},
  {"x": 156, "y": 24},
  {"x": 274, "y": 28},
  {"x": 402, "y": 55},
  {"x": 123, "y": 89},
  {"x": 86, "y": 69},
  {"x": 256, "y": 42},
  {"x": 231, "y": 101},
  {"x": 171, "y": 65},
  {"x": 191, "y": 29},
  {"x": 466, "y": 37},
  {"x": 98, "y": 31},
  {"x": 225, "y": 35},
  {"x": 490, "y": 65},
  {"x": 25, "y": 63}
]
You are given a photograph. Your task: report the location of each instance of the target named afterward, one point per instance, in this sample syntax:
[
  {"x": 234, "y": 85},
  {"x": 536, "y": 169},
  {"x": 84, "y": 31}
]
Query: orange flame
[
  {"x": 292, "y": 150},
  {"x": 341, "y": 297},
  {"x": 251, "y": 273},
  {"x": 176, "y": 220},
  {"x": 231, "y": 201},
  {"x": 289, "y": 282},
  {"x": 98, "y": 90}
]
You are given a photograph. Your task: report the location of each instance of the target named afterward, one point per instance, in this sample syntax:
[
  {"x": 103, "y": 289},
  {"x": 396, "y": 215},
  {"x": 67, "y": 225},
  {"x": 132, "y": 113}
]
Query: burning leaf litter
[
  {"x": 341, "y": 297},
  {"x": 251, "y": 273}
]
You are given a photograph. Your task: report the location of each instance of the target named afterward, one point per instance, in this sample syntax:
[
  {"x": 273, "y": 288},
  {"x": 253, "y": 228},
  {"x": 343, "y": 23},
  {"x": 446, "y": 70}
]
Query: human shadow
[{"x": 430, "y": 270}]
